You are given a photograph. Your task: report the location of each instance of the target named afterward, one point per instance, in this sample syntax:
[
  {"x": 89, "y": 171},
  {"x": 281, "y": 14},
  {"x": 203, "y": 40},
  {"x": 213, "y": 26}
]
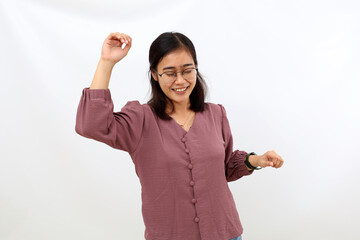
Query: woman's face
[{"x": 176, "y": 61}]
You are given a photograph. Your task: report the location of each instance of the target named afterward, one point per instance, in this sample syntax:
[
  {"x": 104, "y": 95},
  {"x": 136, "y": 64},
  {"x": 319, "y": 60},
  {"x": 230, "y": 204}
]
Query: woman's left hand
[{"x": 270, "y": 159}]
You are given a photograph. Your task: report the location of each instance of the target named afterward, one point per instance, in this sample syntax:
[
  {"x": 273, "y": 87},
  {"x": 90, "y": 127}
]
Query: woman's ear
[{"x": 154, "y": 75}]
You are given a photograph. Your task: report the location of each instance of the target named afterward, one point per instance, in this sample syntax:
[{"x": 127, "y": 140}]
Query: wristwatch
[{"x": 248, "y": 163}]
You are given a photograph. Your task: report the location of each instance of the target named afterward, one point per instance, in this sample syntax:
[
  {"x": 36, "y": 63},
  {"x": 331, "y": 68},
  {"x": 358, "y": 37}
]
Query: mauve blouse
[{"x": 184, "y": 175}]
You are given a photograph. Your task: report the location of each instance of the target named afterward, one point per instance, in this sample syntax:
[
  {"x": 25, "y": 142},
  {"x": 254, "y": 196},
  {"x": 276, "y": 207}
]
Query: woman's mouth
[{"x": 180, "y": 90}]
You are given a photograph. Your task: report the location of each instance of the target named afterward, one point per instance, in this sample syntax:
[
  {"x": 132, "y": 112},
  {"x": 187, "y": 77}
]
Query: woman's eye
[{"x": 170, "y": 74}]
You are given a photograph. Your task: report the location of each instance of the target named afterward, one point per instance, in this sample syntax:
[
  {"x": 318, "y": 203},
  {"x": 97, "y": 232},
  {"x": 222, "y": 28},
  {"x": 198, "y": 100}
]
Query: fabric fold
[
  {"x": 235, "y": 166},
  {"x": 95, "y": 119}
]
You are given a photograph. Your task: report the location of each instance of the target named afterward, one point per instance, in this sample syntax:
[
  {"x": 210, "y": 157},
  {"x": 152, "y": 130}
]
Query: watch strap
[{"x": 248, "y": 163}]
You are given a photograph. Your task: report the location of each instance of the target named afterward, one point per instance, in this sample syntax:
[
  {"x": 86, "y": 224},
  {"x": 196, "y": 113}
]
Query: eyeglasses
[{"x": 188, "y": 74}]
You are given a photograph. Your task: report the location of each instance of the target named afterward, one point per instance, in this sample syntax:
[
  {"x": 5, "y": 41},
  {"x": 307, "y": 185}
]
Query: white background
[{"x": 287, "y": 72}]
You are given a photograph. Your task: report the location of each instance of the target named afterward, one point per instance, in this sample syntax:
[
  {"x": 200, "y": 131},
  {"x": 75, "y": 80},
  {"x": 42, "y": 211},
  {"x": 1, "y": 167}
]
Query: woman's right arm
[
  {"x": 111, "y": 53},
  {"x": 95, "y": 118},
  {"x": 102, "y": 75}
]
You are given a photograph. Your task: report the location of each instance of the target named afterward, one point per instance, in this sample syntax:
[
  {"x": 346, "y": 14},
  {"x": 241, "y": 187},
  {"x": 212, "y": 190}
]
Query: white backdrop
[{"x": 287, "y": 73}]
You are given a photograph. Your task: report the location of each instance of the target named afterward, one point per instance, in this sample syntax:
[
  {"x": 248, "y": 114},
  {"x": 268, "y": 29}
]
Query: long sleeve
[
  {"x": 95, "y": 119},
  {"x": 235, "y": 166}
]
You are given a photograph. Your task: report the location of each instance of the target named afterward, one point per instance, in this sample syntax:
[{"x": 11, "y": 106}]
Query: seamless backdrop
[{"x": 287, "y": 72}]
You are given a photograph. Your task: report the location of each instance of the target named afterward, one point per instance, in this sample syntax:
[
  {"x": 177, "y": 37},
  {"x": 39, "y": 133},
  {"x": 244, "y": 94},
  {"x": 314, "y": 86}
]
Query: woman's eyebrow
[{"x": 171, "y": 67}]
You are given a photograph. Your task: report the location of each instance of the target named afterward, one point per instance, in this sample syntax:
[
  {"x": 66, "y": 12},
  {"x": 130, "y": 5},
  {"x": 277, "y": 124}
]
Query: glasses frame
[{"x": 182, "y": 72}]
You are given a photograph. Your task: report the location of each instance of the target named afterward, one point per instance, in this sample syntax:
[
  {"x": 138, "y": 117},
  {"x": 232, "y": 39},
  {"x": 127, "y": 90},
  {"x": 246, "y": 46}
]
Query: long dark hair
[{"x": 162, "y": 45}]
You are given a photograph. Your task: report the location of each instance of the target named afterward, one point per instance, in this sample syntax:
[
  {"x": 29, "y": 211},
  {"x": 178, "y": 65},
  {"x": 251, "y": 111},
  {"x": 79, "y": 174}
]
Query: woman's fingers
[
  {"x": 272, "y": 159},
  {"x": 119, "y": 39},
  {"x": 122, "y": 37},
  {"x": 115, "y": 42},
  {"x": 116, "y": 46},
  {"x": 278, "y": 161},
  {"x": 127, "y": 39},
  {"x": 265, "y": 162}
]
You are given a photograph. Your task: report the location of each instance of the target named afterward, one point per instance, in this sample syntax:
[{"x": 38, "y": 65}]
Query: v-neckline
[{"x": 192, "y": 125}]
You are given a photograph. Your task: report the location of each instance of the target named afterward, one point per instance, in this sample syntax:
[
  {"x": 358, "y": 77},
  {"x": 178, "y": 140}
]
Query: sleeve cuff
[
  {"x": 97, "y": 94},
  {"x": 239, "y": 163}
]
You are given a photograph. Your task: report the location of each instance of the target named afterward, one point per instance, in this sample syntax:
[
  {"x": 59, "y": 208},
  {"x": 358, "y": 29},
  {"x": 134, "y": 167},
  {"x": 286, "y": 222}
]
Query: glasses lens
[
  {"x": 169, "y": 76},
  {"x": 189, "y": 73}
]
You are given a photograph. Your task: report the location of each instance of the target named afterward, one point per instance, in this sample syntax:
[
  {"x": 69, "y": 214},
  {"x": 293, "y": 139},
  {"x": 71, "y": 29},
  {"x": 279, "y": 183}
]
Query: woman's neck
[{"x": 180, "y": 109}]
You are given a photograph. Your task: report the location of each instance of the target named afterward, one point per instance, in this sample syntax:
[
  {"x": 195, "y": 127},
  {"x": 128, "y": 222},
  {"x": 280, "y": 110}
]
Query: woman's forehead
[{"x": 176, "y": 59}]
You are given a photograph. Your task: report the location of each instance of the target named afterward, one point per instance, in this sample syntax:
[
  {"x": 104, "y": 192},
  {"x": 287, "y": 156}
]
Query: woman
[{"x": 181, "y": 146}]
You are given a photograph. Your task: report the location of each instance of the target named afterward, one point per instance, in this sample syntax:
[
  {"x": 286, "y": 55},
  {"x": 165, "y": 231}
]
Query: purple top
[{"x": 184, "y": 175}]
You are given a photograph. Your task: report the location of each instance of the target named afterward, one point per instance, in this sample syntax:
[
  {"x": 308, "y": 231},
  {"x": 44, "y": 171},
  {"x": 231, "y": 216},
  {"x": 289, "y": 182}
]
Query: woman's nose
[{"x": 179, "y": 78}]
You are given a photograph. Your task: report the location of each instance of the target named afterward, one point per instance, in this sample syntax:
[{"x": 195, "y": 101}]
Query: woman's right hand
[{"x": 111, "y": 50}]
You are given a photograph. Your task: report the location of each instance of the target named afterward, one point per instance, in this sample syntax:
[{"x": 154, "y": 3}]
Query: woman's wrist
[{"x": 253, "y": 160}]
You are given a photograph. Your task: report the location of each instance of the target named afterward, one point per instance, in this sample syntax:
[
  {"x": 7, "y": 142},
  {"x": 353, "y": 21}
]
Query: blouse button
[
  {"x": 183, "y": 139},
  {"x": 187, "y": 150},
  {"x": 197, "y": 219},
  {"x": 190, "y": 166},
  {"x": 193, "y": 200},
  {"x": 192, "y": 183}
]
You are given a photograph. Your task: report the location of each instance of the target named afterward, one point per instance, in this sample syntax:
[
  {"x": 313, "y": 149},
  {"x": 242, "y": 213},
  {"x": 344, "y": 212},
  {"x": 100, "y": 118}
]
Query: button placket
[{"x": 191, "y": 183}]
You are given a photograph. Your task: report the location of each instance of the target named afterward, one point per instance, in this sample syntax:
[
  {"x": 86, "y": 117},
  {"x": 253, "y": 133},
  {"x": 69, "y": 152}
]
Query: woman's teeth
[{"x": 180, "y": 89}]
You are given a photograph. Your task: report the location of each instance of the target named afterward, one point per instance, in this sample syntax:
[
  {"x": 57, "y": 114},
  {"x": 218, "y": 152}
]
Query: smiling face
[{"x": 176, "y": 61}]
